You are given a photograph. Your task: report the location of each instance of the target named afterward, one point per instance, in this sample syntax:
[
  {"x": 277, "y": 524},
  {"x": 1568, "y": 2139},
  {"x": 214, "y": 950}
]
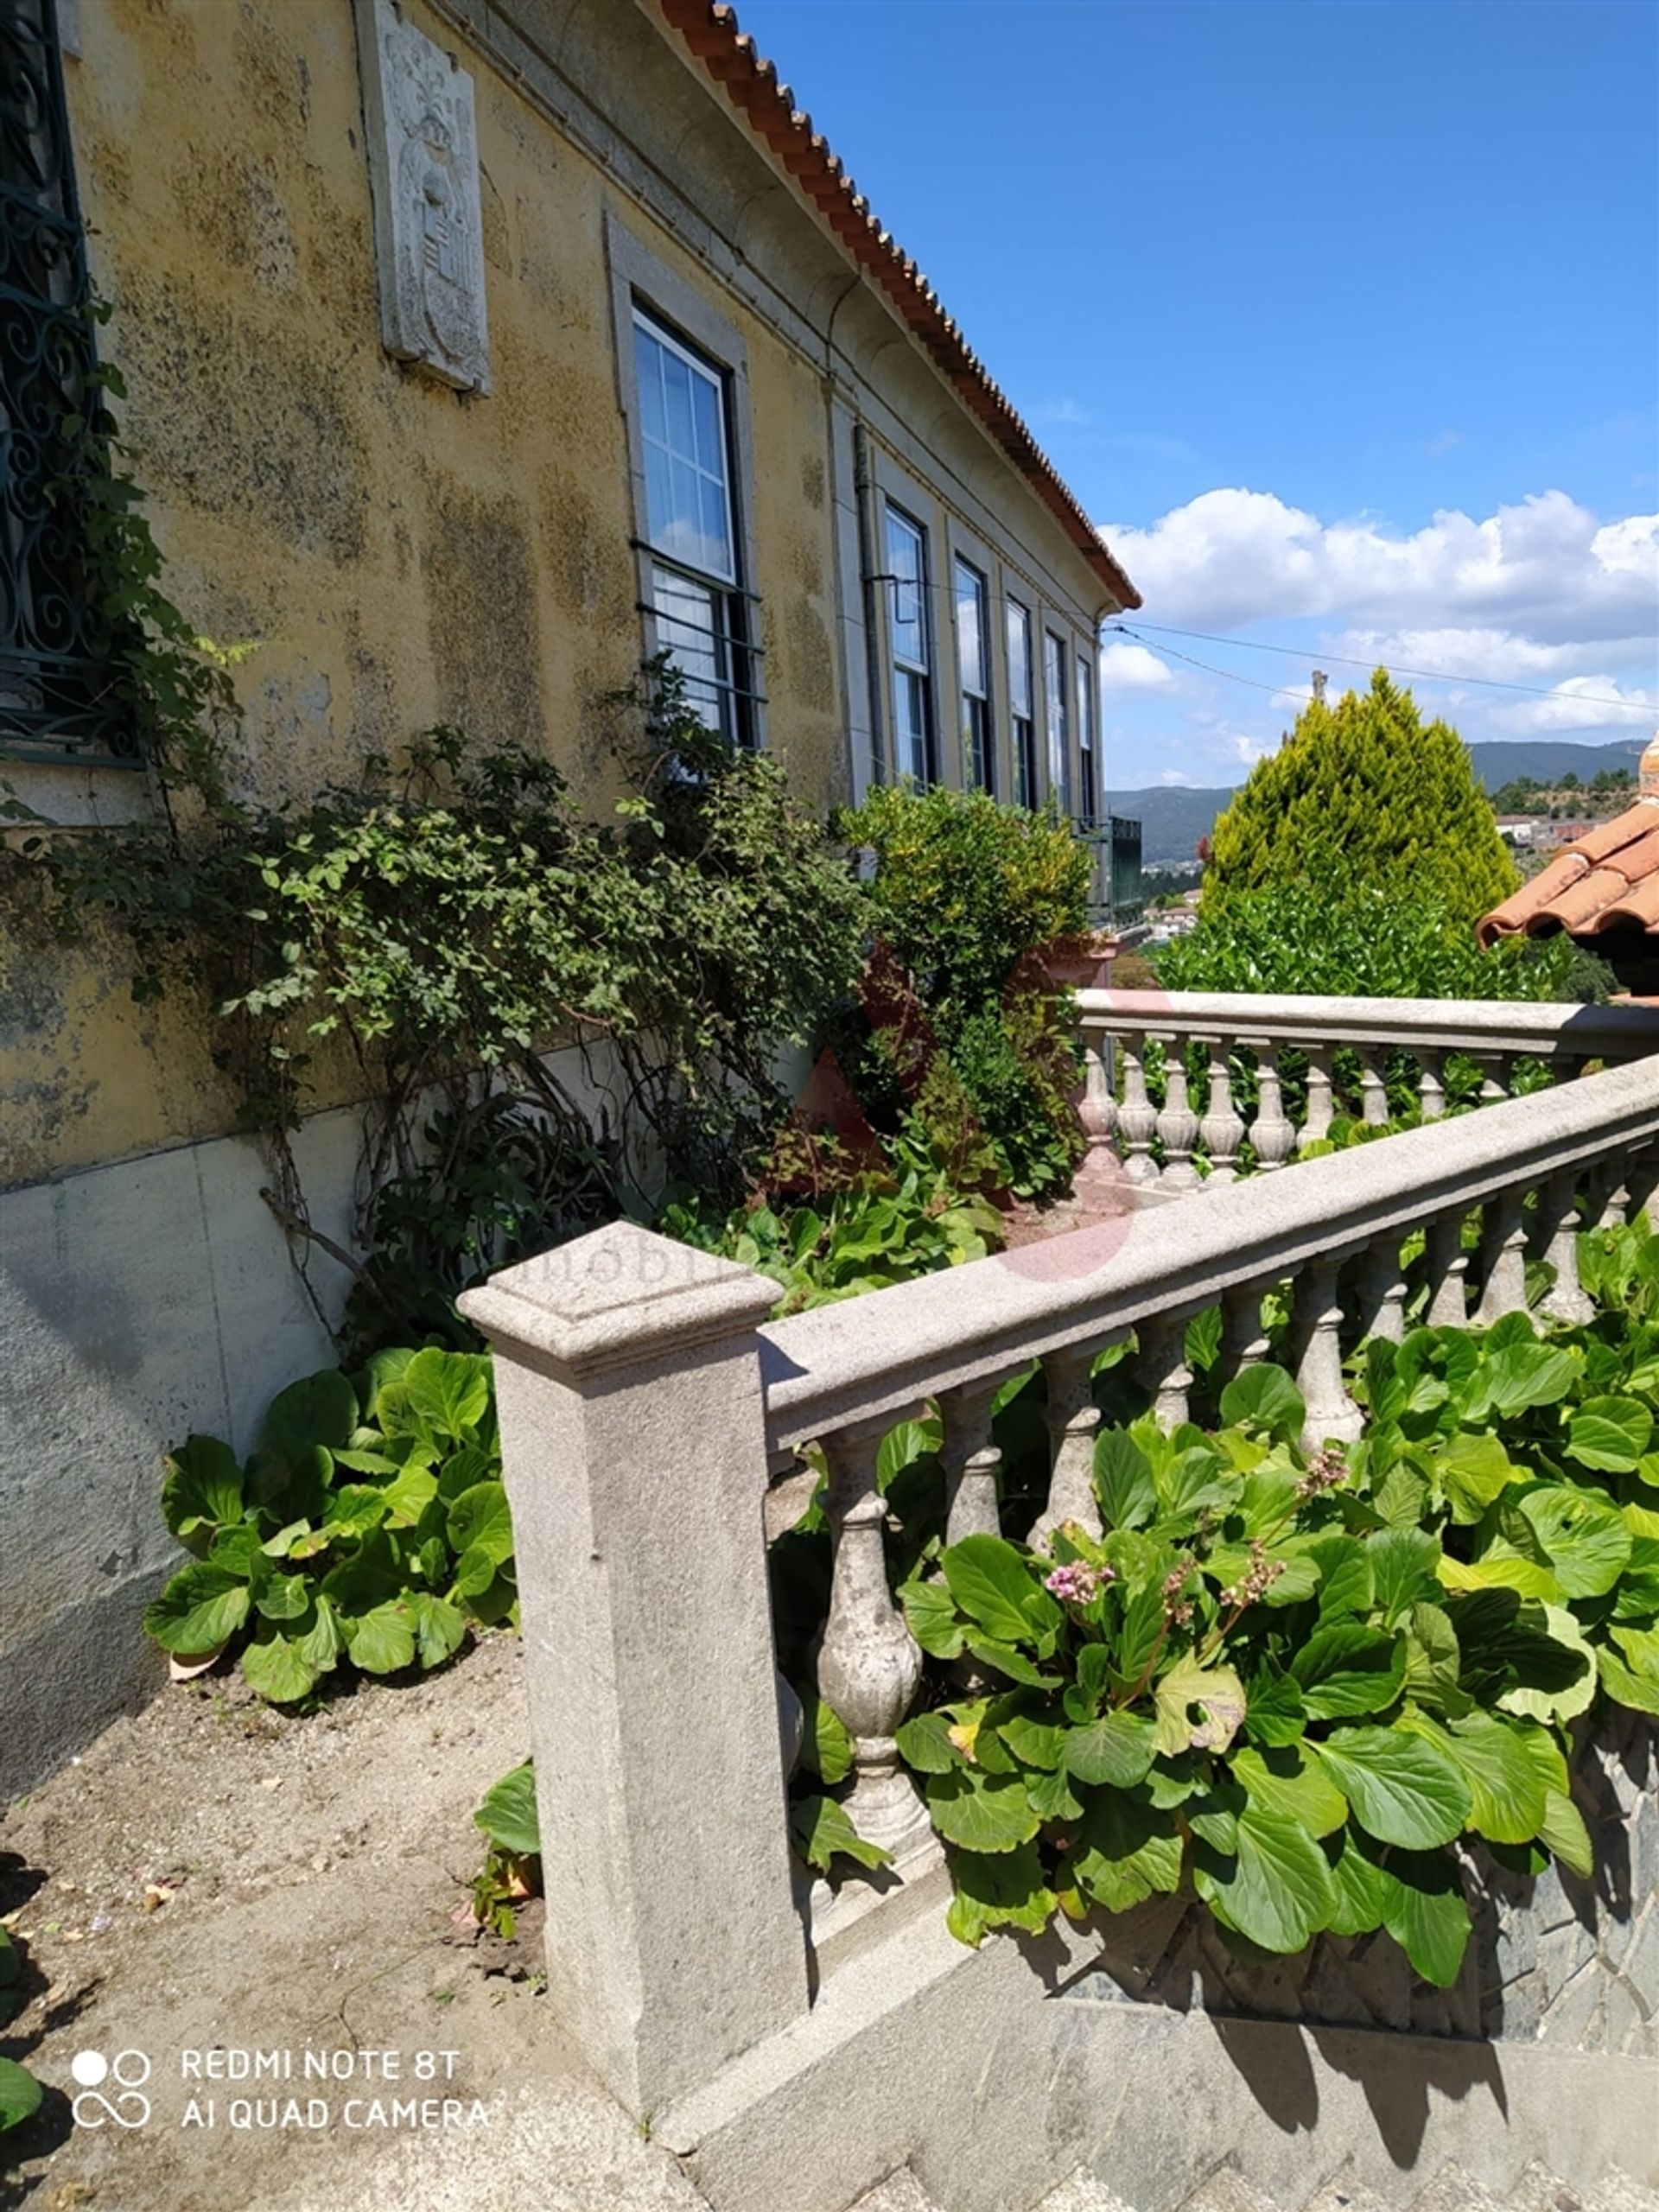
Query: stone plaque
[{"x": 418, "y": 107}]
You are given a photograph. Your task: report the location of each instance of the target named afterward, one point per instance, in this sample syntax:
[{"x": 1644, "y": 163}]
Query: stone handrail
[
  {"x": 1116, "y": 1028},
  {"x": 646, "y": 1404}
]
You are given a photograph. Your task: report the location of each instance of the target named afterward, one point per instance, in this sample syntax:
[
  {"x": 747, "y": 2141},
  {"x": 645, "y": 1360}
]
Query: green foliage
[
  {"x": 369, "y": 1524},
  {"x": 966, "y": 894},
  {"x": 1367, "y": 940},
  {"x": 1296, "y": 1683},
  {"x": 885, "y": 1229},
  {"x": 1365, "y": 792},
  {"x": 511, "y": 1870},
  {"x": 20, "y": 2092},
  {"x": 964, "y": 888}
]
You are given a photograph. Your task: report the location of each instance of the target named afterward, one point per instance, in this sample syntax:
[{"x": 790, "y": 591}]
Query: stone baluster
[
  {"x": 673, "y": 1944},
  {"x": 1072, "y": 1418},
  {"x": 1373, "y": 1089},
  {"x": 1178, "y": 1125},
  {"x": 1382, "y": 1291},
  {"x": 1558, "y": 1224},
  {"x": 1610, "y": 1201},
  {"x": 1137, "y": 1117},
  {"x": 1160, "y": 1364},
  {"x": 869, "y": 1665},
  {"x": 1504, "y": 1258},
  {"x": 1272, "y": 1138},
  {"x": 1097, "y": 1109},
  {"x": 1447, "y": 1266},
  {"x": 1320, "y": 1101},
  {"x": 1243, "y": 1340},
  {"x": 1496, "y": 1069},
  {"x": 1332, "y": 1414},
  {"x": 972, "y": 1462},
  {"x": 1222, "y": 1131},
  {"x": 1431, "y": 1083},
  {"x": 1641, "y": 1180}
]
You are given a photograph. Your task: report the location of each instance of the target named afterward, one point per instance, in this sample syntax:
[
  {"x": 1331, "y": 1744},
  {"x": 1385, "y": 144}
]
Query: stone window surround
[{"x": 639, "y": 277}]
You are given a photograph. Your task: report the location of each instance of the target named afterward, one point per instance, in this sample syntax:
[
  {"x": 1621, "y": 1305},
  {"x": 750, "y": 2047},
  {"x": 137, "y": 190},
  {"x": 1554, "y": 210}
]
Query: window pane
[
  {"x": 689, "y": 505},
  {"x": 906, "y": 560},
  {"x": 687, "y": 620},
  {"x": 1059, "y": 732},
  {"x": 910, "y": 724},
  {"x": 1019, "y": 659},
  {"x": 971, "y": 628}
]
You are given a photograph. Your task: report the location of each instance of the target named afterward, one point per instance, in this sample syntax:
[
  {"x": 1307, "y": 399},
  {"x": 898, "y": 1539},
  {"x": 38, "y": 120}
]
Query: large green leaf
[
  {"x": 1276, "y": 1887},
  {"x": 199, "y": 1611},
  {"x": 1629, "y": 1668},
  {"x": 1034, "y": 1742},
  {"x": 1198, "y": 1706},
  {"x": 1506, "y": 1644},
  {"x": 1003, "y": 1889},
  {"x": 1518, "y": 1376},
  {"x": 1427, "y": 1914},
  {"x": 1563, "y": 1703},
  {"x": 1588, "y": 1544},
  {"x": 931, "y": 1615},
  {"x": 202, "y": 1490},
  {"x": 1403, "y": 1561},
  {"x": 1291, "y": 1782},
  {"x": 318, "y": 1411},
  {"x": 1116, "y": 1749},
  {"x": 1263, "y": 1397},
  {"x": 382, "y": 1642},
  {"x": 448, "y": 1392},
  {"x": 439, "y": 1627},
  {"x": 981, "y": 1812},
  {"x": 1347, "y": 1669},
  {"x": 1125, "y": 1852},
  {"x": 20, "y": 2094},
  {"x": 822, "y": 1832},
  {"x": 1505, "y": 1788},
  {"x": 1123, "y": 1480},
  {"x": 1401, "y": 1789},
  {"x": 1433, "y": 1662},
  {"x": 276, "y": 1666},
  {"x": 923, "y": 1744},
  {"x": 508, "y": 1814},
  {"x": 480, "y": 1521},
  {"x": 1474, "y": 1470},
  {"x": 1345, "y": 1585},
  {"x": 1562, "y": 1831},
  {"x": 1611, "y": 1433},
  {"x": 997, "y": 1587}
]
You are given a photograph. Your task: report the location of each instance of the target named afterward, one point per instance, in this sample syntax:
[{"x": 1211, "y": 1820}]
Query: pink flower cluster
[{"x": 1077, "y": 1583}]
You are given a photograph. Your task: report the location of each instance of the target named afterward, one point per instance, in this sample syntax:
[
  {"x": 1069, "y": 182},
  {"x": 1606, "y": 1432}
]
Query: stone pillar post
[{"x": 633, "y": 1436}]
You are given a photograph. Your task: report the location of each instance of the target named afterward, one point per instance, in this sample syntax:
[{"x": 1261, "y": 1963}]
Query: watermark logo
[{"x": 124, "y": 2106}]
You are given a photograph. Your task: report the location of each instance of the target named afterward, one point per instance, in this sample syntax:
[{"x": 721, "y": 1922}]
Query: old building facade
[{"x": 474, "y": 351}]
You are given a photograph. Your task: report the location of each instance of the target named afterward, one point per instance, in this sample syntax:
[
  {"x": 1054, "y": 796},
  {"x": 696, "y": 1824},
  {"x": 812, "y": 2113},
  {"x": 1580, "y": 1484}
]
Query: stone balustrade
[
  {"x": 648, "y": 1411},
  {"x": 1241, "y": 1031}
]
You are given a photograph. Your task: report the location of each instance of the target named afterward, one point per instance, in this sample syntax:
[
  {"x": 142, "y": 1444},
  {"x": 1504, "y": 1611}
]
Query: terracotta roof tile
[
  {"x": 710, "y": 31},
  {"x": 1607, "y": 878}
]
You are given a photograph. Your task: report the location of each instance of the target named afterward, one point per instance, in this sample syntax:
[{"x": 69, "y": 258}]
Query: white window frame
[
  {"x": 1088, "y": 691},
  {"x": 902, "y": 668},
  {"x": 1022, "y": 723},
  {"x": 976, "y": 720},
  {"x": 646, "y": 292},
  {"x": 1058, "y": 716}
]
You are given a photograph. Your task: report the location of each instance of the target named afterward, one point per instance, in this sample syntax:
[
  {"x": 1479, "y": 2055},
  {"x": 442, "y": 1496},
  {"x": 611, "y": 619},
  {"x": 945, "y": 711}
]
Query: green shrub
[
  {"x": 20, "y": 2092},
  {"x": 1295, "y": 1682},
  {"x": 1366, "y": 940},
  {"x": 369, "y": 1525},
  {"x": 964, "y": 888}
]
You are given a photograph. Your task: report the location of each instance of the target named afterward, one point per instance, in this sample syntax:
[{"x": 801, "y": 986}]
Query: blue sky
[{"x": 1340, "y": 316}]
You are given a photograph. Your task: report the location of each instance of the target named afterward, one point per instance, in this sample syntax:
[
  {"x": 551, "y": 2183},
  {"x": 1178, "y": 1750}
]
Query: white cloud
[
  {"x": 1580, "y": 703},
  {"x": 1546, "y": 568},
  {"x": 1132, "y": 668}
]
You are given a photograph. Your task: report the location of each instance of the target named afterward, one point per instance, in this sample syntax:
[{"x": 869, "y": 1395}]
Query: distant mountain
[{"x": 1173, "y": 817}]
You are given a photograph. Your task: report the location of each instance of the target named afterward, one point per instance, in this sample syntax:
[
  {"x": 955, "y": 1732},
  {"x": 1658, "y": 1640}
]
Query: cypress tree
[{"x": 1365, "y": 792}]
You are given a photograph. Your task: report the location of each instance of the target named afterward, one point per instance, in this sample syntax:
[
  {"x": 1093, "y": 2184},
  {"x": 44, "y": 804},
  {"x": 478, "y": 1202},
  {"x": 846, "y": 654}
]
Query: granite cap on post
[{"x": 616, "y": 1296}]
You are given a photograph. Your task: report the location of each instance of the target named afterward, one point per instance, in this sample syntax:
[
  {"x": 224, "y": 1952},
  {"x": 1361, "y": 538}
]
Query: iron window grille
[{"x": 58, "y": 698}]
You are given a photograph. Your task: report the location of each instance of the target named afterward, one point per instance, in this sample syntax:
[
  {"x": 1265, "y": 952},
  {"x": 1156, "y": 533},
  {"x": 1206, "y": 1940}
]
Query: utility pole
[{"x": 1320, "y": 679}]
